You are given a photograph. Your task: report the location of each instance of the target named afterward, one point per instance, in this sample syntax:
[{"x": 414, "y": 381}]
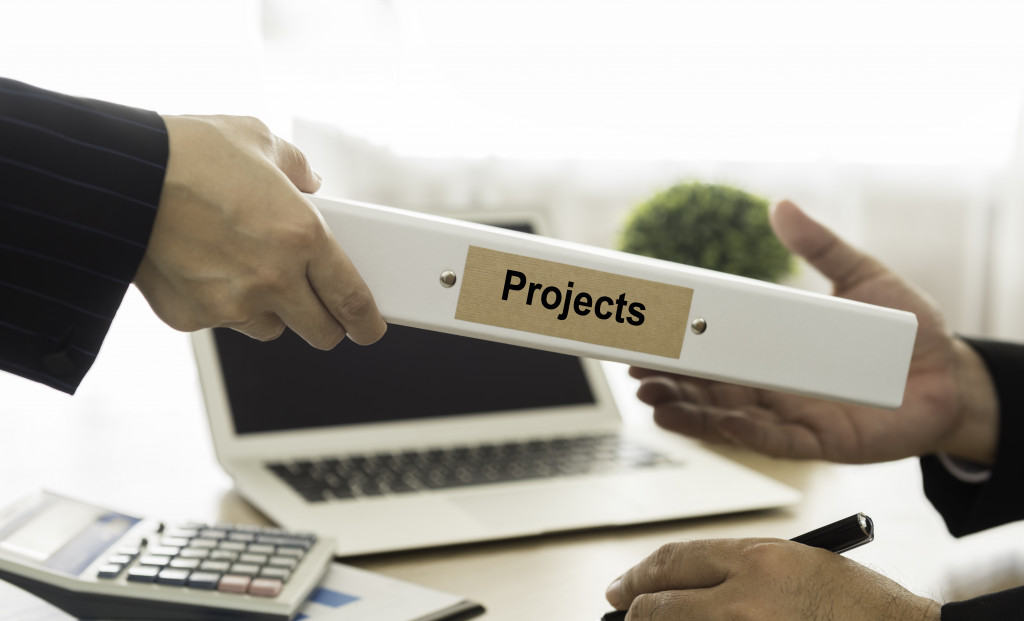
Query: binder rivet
[
  {"x": 447, "y": 278},
  {"x": 698, "y": 325}
]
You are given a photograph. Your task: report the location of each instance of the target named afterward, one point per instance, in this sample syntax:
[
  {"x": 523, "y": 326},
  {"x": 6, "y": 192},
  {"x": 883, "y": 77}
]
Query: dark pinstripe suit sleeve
[{"x": 80, "y": 181}]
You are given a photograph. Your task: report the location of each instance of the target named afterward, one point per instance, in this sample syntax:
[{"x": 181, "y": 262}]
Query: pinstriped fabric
[{"x": 80, "y": 181}]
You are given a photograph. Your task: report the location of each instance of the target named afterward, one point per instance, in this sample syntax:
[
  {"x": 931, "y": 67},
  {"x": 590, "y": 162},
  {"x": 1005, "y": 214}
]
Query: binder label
[{"x": 576, "y": 303}]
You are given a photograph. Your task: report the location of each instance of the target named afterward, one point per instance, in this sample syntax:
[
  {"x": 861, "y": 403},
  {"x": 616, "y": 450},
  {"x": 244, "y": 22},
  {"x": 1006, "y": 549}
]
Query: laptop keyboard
[{"x": 413, "y": 471}]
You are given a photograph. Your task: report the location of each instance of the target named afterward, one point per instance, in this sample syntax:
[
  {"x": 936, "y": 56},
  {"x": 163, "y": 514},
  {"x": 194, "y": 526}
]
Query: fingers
[
  {"x": 775, "y": 439},
  {"x": 692, "y": 604},
  {"x": 263, "y": 327},
  {"x": 341, "y": 302},
  {"x": 306, "y": 315},
  {"x": 843, "y": 264},
  {"x": 343, "y": 292},
  {"x": 674, "y": 566},
  {"x": 725, "y": 413},
  {"x": 295, "y": 166},
  {"x": 755, "y": 428},
  {"x": 329, "y": 299}
]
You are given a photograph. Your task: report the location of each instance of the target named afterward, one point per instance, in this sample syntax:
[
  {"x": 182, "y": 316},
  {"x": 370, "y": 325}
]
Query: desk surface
[{"x": 135, "y": 438}]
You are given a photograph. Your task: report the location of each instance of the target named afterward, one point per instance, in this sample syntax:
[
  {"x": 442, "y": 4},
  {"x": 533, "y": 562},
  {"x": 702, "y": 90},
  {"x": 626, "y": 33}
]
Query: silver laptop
[{"x": 427, "y": 439}]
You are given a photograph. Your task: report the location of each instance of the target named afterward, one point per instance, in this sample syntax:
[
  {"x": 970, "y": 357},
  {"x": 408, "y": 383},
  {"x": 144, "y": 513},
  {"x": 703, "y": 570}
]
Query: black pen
[{"x": 838, "y": 537}]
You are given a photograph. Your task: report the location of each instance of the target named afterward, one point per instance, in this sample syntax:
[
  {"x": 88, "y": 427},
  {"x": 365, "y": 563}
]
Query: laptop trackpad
[{"x": 550, "y": 507}]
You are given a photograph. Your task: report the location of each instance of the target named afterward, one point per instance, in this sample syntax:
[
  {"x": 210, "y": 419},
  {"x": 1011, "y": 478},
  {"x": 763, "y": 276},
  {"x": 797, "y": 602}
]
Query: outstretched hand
[
  {"x": 949, "y": 403},
  {"x": 236, "y": 244}
]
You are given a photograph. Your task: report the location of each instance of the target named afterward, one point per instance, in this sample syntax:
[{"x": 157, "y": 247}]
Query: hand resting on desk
[{"x": 762, "y": 580}]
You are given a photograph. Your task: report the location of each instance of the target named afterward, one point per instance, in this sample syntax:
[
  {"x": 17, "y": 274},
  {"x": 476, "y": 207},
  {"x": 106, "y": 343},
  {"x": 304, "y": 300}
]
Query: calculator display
[{"x": 63, "y": 535}]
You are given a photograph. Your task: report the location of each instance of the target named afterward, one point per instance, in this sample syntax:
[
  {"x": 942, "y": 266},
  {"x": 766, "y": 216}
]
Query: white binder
[{"x": 447, "y": 275}]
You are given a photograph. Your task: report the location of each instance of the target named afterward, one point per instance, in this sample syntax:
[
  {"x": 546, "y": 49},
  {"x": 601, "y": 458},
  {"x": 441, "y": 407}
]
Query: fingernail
[
  {"x": 318, "y": 176},
  {"x": 612, "y": 593}
]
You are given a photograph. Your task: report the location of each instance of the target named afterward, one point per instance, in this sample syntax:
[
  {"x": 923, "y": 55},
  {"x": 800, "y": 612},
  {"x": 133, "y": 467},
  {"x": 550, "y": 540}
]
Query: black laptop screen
[{"x": 408, "y": 374}]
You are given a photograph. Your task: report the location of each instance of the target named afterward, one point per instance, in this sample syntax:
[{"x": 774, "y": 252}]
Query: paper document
[{"x": 351, "y": 594}]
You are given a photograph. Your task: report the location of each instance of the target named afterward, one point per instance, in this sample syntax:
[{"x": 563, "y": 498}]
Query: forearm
[{"x": 82, "y": 181}]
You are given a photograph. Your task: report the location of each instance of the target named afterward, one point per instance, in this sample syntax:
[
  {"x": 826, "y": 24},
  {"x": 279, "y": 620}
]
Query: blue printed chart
[
  {"x": 351, "y": 594},
  {"x": 323, "y": 597}
]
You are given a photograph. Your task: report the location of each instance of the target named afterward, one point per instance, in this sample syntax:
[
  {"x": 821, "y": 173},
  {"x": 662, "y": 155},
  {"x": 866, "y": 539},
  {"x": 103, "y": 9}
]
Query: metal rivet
[
  {"x": 698, "y": 326},
  {"x": 447, "y": 278}
]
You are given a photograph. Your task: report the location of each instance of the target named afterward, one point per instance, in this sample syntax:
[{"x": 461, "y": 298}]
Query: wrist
[
  {"x": 930, "y": 610},
  {"x": 976, "y": 436}
]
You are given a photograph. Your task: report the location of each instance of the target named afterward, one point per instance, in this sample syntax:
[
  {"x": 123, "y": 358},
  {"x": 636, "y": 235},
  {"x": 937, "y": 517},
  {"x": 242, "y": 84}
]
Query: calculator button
[
  {"x": 247, "y": 528},
  {"x": 259, "y": 559},
  {"x": 234, "y": 584},
  {"x": 119, "y": 559},
  {"x": 194, "y": 553},
  {"x": 243, "y": 537},
  {"x": 236, "y": 546},
  {"x": 143, "y": 573},
  {"x": 223, "y": 555},
  {"x": 265, "y": 587},
  {"x": 183, "y": 533},
  {"x": 291, "y": 542},
  {"x": 211, "y": 533},
  {"x": 154, "y": 560},
  {"x": 220, "y": 566},
  {"x": 204, "y": 579},
  {"x": 259, "y": 548},
  {"x": 281, "y": 561},
  {"x": 185, "y": 563},
  {"x": 175, "y": 542},
  {"x": 203, "y": 543},
  {"x": 292, "y": 552},
  {"x": 111, "y": 570},
  {"x": 281, "y": 573},
  {"x": 245, "y": 569},
  {"x": 176, "y": 577},
  {"x": 163, "y": 551}
]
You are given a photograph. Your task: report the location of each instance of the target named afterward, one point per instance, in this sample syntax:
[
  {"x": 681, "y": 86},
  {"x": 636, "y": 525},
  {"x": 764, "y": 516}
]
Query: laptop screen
[{"x": 409, "y": 374}]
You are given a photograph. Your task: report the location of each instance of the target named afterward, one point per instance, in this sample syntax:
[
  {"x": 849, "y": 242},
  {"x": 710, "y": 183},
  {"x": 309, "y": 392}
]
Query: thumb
[
  {"x": 295, "y": 166},
  {"x": 843, "y": 264}
]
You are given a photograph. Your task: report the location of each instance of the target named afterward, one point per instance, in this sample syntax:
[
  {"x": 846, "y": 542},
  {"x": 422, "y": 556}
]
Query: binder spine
[{"x": 447, "y": 275}]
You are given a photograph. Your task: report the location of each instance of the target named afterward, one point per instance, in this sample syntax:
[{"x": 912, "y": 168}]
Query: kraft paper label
[{"x": 576, "y": 303}]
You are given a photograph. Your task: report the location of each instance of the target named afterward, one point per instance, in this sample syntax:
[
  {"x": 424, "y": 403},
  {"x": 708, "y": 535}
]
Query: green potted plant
[{"x": 713, "y": 226}]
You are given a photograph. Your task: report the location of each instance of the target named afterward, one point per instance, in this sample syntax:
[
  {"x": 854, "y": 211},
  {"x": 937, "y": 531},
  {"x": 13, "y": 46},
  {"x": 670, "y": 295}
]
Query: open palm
[{"x": 787, "y": 425}]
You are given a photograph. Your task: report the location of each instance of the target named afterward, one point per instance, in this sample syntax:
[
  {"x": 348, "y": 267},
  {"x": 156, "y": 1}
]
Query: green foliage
[{"x": 711, "y": 226}]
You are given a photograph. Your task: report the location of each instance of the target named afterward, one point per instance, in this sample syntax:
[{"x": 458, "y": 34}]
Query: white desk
[{"x": 135, "y": 438}]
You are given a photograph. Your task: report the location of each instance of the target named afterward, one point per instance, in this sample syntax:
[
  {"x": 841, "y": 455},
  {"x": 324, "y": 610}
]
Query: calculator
[{"x": 95, "y": 563}]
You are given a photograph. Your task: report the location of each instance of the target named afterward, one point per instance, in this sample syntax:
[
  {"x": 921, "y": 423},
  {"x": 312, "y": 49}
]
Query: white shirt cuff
[{"x": 965, "y": 471}]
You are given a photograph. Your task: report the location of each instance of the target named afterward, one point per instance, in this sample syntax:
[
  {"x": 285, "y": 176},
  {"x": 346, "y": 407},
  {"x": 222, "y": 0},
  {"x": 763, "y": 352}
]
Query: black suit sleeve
[
  {"x": 80, "y": 181},
  {"x": 970, "y": 507}
]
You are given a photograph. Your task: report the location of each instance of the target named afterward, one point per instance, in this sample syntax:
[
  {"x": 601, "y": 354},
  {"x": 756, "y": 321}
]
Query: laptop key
[{"x": 407, "y": 471}]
